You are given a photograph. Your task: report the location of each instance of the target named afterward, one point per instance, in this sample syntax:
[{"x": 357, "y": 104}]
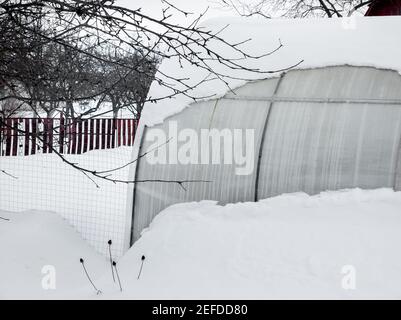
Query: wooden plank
[
  {"x": 113, "y": 134},
  {"x": 79, "y": 136},
  {"x": 15, "y": 137},
  {"x": 103, "y": 134},
  {"x": 21, "y": 136},
  {"x": 123, "y": 123},
  {"x": 61, "y": 135},
  {"x": 73, "y": 137},
  {"x": 86, "y": 125},
  {"x": 97, "y": 146},
  {"x": 109, "y": 128},
  {"x": 50, "y": 134},
  {"x": 68, "y": 134},
  {"x": 91, "y": 134},
  {"x": 26, "y": 134},
  {"x": 129, "y": 125},
  {"x": 44, "y": 135},
  {"x": 8, "y": 136},
  {"x": 118, "y": 132},
  {"x": 33, "y": 136}
]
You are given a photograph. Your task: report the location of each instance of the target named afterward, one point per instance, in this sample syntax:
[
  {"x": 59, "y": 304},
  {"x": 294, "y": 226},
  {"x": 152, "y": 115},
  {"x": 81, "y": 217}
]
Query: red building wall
[{"x": 384, "y": 8}]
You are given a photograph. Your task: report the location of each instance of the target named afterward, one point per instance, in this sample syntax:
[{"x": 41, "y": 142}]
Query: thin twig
[
  {"x": 118, "y": 277},
  {"x": 8, "y": 174},
  {"x": 111, "y": 260},
  {"x": 140, "y": 270},
  {"x": 87, "y": 275}
]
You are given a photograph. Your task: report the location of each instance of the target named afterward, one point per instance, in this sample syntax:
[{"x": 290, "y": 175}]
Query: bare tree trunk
[
  {"x": 115, "y": 113},
  {"x": 69, "y": 109}
]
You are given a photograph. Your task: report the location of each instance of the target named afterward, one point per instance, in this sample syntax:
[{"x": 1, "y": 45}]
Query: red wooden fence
[{"x": 26, "y": 136}]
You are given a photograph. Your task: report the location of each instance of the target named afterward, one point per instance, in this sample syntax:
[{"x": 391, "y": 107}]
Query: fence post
[
  {"x": 45, "y": 136},
  {"x": 118, "y": 132},
  {"x": 79, "y": 133},
  {"x": 124, "y": 122},
  {"x": 15, "y": 137},
  {"x": 129, "y": 132},
  {"x": 26, "y": 128},
  {"x": 33, "y": 139},
  {"x": 109, "y": 124},
  {"x": 97, "y": 134},
  {"x": 92, "y": 131},
  {"x": 50, "y": 134},
  {"x": 8, "y": 137},
  {"x": 103, "y": 134},
  {"x": 85, "y": 149},
  {"x": 113, "y": 134},
  {"x": 61, "y": 135},
  {"x": 74, "y": 136}
]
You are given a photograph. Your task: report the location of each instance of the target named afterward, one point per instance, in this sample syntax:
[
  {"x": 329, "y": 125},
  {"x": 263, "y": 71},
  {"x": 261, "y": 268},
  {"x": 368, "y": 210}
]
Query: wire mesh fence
[{"x": 34, "y": 175}]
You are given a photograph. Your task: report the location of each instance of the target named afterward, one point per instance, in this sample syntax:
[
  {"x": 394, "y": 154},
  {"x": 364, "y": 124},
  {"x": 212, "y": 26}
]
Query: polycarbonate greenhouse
[
  {"x": 332, "y": 120},
  {"x": 315, "y": 130}
]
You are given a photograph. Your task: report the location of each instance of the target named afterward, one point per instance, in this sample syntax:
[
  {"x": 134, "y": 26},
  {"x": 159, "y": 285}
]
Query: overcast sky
[{"x": 153, "y": 8}]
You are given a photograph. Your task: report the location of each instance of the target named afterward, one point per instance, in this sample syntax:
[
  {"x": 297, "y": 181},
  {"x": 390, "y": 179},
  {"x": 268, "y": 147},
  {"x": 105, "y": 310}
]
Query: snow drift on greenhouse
[{"x": 363, "y": 41}]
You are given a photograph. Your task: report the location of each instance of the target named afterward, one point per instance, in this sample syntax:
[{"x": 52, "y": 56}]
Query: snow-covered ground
[
  {"x": 34, "y": 244},
  {"x": 290, "y": 246}
]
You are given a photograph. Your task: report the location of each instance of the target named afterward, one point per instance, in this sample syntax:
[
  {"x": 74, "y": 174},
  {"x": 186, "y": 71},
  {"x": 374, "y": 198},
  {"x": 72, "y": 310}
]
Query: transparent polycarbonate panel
[
  {"x": 397, "y": 184},
  {"x": 328, "y": 129},
  {"x": 342, "y": 82},
  {"x": 226, "y": 185},
  {"x": 314, "y": 147},
  {"x": 255, "y": 89}
]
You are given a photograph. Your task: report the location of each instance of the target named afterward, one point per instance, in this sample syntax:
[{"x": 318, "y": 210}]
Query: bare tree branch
[
  {"x": 294, "y": 8},
  {"x": 8, "y": 174}
]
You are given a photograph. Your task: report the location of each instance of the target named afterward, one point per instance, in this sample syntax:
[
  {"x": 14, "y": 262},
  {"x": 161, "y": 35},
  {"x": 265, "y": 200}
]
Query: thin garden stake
[
  {"x": 140, "y": 270},
  {"x": 111, "y": 260},
  {"x": 90, "y": 280},
  {"x": 118, "y": 277}
]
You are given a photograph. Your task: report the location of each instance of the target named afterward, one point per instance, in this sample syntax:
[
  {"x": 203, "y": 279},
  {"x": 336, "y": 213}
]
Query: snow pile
[
  {"x": 362, "y": 41},
  {"x": 290, "y": 246},
  {"x": 30, "y": 242}
]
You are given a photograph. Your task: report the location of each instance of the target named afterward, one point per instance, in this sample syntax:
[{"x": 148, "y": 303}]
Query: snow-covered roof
[{"x": 362, "y": 41}]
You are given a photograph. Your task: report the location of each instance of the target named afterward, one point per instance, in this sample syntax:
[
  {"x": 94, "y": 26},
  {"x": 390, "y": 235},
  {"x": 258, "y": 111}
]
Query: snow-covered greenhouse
[
  {"x": 333, "y": 122},
  {"x": 318, "y": 129},
  {"x": 324, "y": 113}
]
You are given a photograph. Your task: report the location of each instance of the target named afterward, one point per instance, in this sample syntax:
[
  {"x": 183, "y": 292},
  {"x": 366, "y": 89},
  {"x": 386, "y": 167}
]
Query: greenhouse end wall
[{"x": 314, "y": 130}]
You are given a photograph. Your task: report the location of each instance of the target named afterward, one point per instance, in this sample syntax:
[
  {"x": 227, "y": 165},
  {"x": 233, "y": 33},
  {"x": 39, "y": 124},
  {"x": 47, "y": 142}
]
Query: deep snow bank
[
  {"x": 361, "y": 41},
  {"x": 31, "y": 241},
  {"x": 290, "y": 246}
]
